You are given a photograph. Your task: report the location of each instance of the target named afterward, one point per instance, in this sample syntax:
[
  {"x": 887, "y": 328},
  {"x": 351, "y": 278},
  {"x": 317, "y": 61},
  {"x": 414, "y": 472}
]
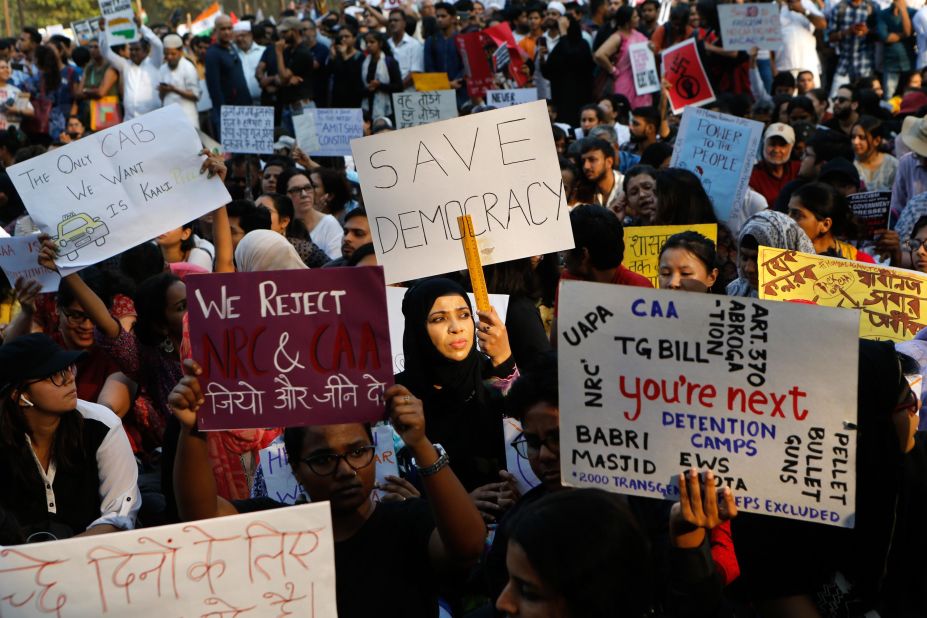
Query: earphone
[{"x": 25, "y": 402}]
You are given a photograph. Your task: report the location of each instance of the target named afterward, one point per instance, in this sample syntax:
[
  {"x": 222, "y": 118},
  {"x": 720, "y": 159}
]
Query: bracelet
[{"x": 436, "y": 467}]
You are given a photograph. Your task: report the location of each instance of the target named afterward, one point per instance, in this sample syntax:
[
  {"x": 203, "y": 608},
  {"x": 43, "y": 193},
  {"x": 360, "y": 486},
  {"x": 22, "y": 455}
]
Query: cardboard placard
[
  {"x": 118, "y": 188},
  {"x": 642, "y": 245},
  {"x": 327, "y": 132},
  {"x": 745, "y": 26},
  {"x": 644, "y": 68},
  {"x": 499, "y": 166},
  {"x": 654, "y": 382},
  {"x": 120, "y": 21},
  {"x": 890, "y": 300},
  {"x": 247, "y": 129},
  {"x": 417, "y": 108},
  {"x": 512, "y": 96},
  {"x": 688, "y": 81},
  {"x": 19, "y": 257},
  {"x": 720, "y": 150},
  {"x": 296, "y": 347},
  {"x": 518, "y": 466}
]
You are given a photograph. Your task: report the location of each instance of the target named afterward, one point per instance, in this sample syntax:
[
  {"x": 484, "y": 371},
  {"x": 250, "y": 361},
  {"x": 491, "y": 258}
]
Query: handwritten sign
[
  {"x": 720, "y": 150},
  {"x": 871, "y": 210},
  {"x": 498, "y": 166},
  {"x": 19, "y": 257},
  {"x": 745, "y": 26},
  {"x": 299, "y": 347},
  {"x": 387, "y": 462},
  {"x": 891, "y": 300},
  {"x": 117, "y": 188},
  {"x": 517, "y": 465},
  {"x": 416, "y": 108},
  {"x": 86, "y": 29},
  {"x": 268, "y": 563},
  {"x": 248, "y": 129},
  {"x": 642, "y": 245},
  {"x": 512, "y": 96},
  {"x": 654, "y": 382},
  {"x": 688, "y": 81},
  {"x": 397, "y": 322},
  {"x": 327, "y": 132},
  {"x": 644, "y": 69},
  {"x": 120, "y": 21},
  {"x": 429, "y": 82}
]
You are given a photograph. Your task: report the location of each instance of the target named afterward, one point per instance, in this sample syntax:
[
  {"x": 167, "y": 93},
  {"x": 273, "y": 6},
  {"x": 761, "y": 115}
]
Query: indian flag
[{"x": 205, "y": 21}]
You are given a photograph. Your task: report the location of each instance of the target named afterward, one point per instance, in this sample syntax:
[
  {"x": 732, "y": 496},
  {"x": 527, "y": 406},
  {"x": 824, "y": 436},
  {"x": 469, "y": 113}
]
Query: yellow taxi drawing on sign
[{"x": 78, "y": 230}]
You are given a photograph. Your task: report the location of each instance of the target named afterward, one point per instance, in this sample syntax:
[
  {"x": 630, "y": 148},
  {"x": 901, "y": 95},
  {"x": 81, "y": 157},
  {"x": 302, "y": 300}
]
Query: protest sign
[
  {"x": 891, "y": 300},
  {"x": 415, "y": 108},
  {"x": 327, "y": 132},
  {"x": 105, "y": 112},
  {"x": 86, "y": 29},
  {"x": 120, "y": 21},
  {"x": 387, "y": 462},
  {"x": 499, "y": 166},
  {"x": 268, "y": 563},
  {"x": 745, "y": 26},
  {"x": 871, "y": 210},
  {"x": 279, "y": 482},
  {"x": 720, "y": 150},
  {"x": 290, "y": 347},
  {"x": 247, "y": 129},
  {"x": 115, "y": 189},
  {"x": 512, "y": 96},
  {"x": 642, "y": 245},
  {"x": 472, "y": 47},
  {"x": 688, "y": 82},
  {"x": 397, "y": 322},
  {"x": 19, "y": 257},
  {"x": 654, "y": 382},
  {"x": 644, "y": 69},
  {"x": 501, "y": 34},
  {"x": 428, "y": 82},
  {"x": 517, "y": 465}
]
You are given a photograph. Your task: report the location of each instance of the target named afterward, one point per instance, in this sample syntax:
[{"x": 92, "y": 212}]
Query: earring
[{"x": 166, "y": 345}]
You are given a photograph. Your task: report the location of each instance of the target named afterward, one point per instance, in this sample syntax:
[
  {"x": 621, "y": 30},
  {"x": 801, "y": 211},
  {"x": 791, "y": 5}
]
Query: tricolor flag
[{"x": 205, "y": 21}]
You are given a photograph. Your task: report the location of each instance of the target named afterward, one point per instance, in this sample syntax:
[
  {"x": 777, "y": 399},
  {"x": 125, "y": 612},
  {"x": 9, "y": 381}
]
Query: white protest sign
[
  {"x": 517, "y": 465},
  {"x": 512, "y": 96},
  {"x": 500, "y": 167},
  {"x": 279, "y": 481},
  {"x": 745, "y": 26},
  {"x": 19, "y": 257},
  {"x": 397, "y": 321},
  {"x": 247, "y": 129},
  {"x": 415, "y": 108},
  {"x": 720, "y": 150},
  {"x": 120, "y": 21},
  {"x": 654, "y": 382},
  {"x": 385, "y": 456},
  {"x": 327, "y": 132},
  {"x": 268, "y": 563},
  {"x": 644, "y": 69},
  {"x": 118, "y": 188}
]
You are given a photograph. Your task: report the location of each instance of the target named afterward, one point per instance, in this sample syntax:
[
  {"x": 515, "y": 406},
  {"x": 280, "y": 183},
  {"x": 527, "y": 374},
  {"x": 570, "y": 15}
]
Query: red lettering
[
  {"x": 342, "y": 348},
  {"x": 314, "y": 349},
  {"x": 368, "y": 348}
]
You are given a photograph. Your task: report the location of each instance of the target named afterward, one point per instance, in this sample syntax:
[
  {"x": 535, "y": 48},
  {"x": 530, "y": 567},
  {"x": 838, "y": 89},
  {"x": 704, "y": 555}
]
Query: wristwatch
[{"x": 436, "y": 467}]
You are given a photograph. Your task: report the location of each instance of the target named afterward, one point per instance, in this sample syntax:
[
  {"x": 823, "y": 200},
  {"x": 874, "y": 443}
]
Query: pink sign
[
  {"x": 296, "y": 347},
  {"x": 688, "y": 81}
]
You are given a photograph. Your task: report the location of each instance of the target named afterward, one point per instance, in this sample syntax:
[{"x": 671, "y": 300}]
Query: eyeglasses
[
  {"x": 913, "y": 244},
  {"x": 841, "y": 99},
  {"x": 61, "y": 377},
  {"x": 75, "y": 318},
  {"x": 300, "y": 190},
  {"x": 326, "y": 465},
  {"x": 529, "y": 445}
]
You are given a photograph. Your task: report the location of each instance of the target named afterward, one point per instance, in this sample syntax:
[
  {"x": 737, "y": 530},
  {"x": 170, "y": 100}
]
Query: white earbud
[{"x": 25, "y": 402}]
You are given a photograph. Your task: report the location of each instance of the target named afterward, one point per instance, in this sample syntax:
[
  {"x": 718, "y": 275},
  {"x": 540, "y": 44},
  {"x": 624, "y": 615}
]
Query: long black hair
[
  {"x": 681, "y": 199},
  {"x": 284, "y": 207},
  {"x": 151, "y": 303}
]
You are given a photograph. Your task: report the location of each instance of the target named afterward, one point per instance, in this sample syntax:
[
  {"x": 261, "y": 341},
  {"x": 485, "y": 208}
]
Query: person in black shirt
[
  {"x": 295, "y": 65},
  {"x": 225, "y": 78},
  {"x": 423, "y": 540},
  {"x": 344, "y": 66}
]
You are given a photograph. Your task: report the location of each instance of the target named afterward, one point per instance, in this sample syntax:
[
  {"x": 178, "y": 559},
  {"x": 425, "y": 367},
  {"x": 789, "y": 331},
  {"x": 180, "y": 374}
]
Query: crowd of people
[{"x": 99, "y": 392}]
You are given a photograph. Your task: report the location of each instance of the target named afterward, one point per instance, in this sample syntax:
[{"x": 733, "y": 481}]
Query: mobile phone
[
  {"x": 542, "y": 41},
  {"x": 17, "y": 66}
]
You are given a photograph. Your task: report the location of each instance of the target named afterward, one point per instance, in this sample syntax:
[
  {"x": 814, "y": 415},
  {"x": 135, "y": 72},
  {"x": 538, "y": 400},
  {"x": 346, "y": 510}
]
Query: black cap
[
  {"x": 840, "y": 168},
  {"x": 32, "y": 357}
]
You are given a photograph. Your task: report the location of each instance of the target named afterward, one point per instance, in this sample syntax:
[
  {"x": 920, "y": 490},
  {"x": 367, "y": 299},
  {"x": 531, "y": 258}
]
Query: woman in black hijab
[
  {"x": 444, "y": 368},
  {"x": 569, "y": 70}
]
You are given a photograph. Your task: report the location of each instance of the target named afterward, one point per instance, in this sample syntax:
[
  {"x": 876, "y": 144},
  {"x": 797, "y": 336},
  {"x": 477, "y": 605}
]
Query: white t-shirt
[
  {"x": 184, "y": 77},
  {"x": 328, "y": 235},
  {"x": 798, "y": 51}
]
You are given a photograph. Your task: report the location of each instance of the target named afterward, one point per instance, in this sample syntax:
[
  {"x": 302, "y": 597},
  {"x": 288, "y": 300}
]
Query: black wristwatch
[{"x": 436, "y": 467}]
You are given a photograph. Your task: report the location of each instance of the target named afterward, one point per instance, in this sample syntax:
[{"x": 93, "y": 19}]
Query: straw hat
[{"x": 914, "y": 134}]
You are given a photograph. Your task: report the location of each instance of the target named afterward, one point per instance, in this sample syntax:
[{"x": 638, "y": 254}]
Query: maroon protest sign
[
  {"x": 294, "y": 347},
  {"x": 688, "y": 81}
]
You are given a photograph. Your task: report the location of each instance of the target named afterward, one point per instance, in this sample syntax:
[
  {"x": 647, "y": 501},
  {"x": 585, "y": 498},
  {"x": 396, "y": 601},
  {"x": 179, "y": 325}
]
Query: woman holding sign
[
  {"x": 615, "y": 55},
  {"x": 381, "y": 75}
]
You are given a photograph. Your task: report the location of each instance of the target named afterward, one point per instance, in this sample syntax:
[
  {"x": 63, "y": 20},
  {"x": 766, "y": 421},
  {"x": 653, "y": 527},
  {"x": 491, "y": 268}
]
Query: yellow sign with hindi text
[{"x": 642, "y": 245}]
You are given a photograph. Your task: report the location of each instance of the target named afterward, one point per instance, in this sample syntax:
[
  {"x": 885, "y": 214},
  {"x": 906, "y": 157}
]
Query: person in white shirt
[
  {"x": 140, "y": 73},
  {"x": 250, "y": 54},
  {"x": 408, "y": 52},
  {"x": 799, "y": 19},
  {"x": 179, "y": 82}
]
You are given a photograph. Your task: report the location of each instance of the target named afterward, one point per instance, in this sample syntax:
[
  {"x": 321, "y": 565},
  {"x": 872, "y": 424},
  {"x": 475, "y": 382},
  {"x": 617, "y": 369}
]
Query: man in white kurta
[{"x": 179, "y": 81}]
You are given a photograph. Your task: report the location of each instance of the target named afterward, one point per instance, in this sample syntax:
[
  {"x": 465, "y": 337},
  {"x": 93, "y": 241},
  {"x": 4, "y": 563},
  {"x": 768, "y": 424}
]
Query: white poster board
[
  {"x": 19, "y": 257},
  {"x": 517, "y": 465},
  {"x": 510, "y": 97},
  {"x": 745, "y": 26},
  {"x": 247, "y": 129},
  {"x": 120, "y": 21},
  {"x": 268, "y": 563},
  {"x": 654, "y": 382},
  {"x": 644, "y": 69},
  {"x": 397, "y": 322},
  {"x": 415, "y": 108},
  {"x": 118, "y": 188},
  {"x": 500, "y": 166},
  {"x": 327, "y": 132}
]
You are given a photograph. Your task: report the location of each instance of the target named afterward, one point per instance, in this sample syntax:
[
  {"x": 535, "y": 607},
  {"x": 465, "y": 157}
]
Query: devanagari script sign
[
  {"x": 745, "y": 26},
  {"x": 416, "y": 108},
  {"x": 891, "y": 300},
  {"x": 118, "y": 188},
  {"x": 247, "y": 129},
  {"x": 296, "y": 347},
  {"x": 653, "y": 382},
  {"x": 500, "y": 167},
  {"x": 269, "y": 563},
  {"x": 642, "y": 245}
]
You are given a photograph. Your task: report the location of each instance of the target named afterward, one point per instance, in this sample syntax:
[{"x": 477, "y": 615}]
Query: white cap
[
  {"x": 172, "y": 41},
  {"x": 284, "y": 141},
  {"x": 782, "y": 130},
  {"x": 242, "y": 26},
  {"x": 556, "y": 6}
]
